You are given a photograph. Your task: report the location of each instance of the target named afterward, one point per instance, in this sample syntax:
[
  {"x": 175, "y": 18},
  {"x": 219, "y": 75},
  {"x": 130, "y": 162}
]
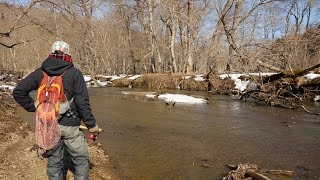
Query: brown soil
[{"x": 19, "y": 162}]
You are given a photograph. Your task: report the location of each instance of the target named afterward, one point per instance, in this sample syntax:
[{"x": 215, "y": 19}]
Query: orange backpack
[{"x": 50, "y": 95}]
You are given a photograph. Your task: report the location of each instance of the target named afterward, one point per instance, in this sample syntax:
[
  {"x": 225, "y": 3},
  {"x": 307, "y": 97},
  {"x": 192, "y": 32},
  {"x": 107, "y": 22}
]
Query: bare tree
[
  {"x": 17, "y": 24},
  {"x": 230, "y": 29},
  {"x": 127, "y": 16},
  {"x": 171, "y": 23},
  {"x": 132, "y": 37},
  {"x": 299, "y": 12}
]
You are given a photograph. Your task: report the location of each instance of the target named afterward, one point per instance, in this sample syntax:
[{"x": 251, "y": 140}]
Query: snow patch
[{"x": 180, "y": 98}]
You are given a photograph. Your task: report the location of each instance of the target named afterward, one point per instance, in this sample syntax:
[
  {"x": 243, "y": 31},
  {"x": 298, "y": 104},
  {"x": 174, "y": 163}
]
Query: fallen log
[
  {"x": 272, "y": 78},
  {"x": 289, "y": 73}
]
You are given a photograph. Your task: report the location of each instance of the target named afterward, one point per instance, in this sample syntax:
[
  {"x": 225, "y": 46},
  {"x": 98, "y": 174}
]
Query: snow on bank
[
  {"x": 87, "y": 78},
  {"x": 311, "y": 75},
  {"x": 7, "y": 87},
  {"x": 180, "y": 98},
  {"x": 151, "y": 96},
  {"x": 170, "y": 98},
  {"x": 198, "y": 77},
  {"x": 240, "y": 85},
  {"x": 134, "y": 77}
]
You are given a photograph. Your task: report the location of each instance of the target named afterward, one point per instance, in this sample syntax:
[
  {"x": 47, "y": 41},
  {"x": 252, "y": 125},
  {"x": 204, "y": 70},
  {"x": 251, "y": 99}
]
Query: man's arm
[
  {"x": 81, "y": 99},
  {"x": 21, "y": 91}
]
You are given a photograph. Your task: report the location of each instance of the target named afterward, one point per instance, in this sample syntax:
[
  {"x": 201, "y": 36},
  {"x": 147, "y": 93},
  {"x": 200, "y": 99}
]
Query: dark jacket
[{"x": 74, "y": 86}]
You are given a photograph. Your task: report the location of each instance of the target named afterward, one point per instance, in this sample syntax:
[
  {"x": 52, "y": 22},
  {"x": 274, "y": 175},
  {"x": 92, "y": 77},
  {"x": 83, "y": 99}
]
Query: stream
[{"x": 147, "y": 140}]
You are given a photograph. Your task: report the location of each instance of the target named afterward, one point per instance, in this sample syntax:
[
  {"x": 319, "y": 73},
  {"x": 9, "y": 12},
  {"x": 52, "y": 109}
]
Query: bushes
[
  {"x": 163, "y": 81},
  {"x": 177, "y": 81}
]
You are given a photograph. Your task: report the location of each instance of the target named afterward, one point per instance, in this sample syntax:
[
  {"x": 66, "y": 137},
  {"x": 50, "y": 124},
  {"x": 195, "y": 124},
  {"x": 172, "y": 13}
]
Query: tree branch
[{"x": 15, "y": 44}]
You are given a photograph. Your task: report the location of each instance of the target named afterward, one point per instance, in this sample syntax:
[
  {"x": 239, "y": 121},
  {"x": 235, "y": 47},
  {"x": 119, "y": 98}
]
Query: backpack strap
[
  {"x": 50, "y": 79},
  {"x": 42, "y": 86}
]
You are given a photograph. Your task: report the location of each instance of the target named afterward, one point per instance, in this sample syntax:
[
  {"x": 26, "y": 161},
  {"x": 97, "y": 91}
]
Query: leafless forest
[{"x": 160, "y": 36}]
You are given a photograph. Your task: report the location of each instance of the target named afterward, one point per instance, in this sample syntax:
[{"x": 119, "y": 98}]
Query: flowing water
[{"x": 147, "y": 140}]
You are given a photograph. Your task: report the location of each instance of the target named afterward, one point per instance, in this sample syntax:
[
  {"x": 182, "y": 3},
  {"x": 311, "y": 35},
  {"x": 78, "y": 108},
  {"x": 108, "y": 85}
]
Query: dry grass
[
  {"x": 161, "y": 82},
  {"x": 123, "y": 82},
  {"x": 157, "y": 81},
  {"x": 193, "y": 85},
  {"x": 222, "y": 86}
]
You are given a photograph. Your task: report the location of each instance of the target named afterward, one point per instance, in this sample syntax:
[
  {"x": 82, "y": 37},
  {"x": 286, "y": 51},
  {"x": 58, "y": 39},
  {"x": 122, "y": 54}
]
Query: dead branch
[
  {"x": 308, "y": 111},
  {"x": 15, "y": 44},
  {"x": 245, "y": 171},
  {"x": 256, "y": 175},
  {"x": 280, "y": 172}
]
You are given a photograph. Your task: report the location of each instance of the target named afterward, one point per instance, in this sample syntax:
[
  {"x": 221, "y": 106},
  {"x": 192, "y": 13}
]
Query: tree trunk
[
  {"x": 190, "y": 40},
  {"x": 127, "y": 20},
  {"x": 153, "y": 67},
  {"x": 173, "y": 21},
  {"x": 182, "y": 45}
]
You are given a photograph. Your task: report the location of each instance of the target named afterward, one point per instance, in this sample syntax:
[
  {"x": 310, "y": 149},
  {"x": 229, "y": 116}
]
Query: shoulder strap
[{"x": 50, "y": 79}]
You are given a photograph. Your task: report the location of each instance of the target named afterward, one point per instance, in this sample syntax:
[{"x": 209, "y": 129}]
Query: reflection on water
[{"x": 146, "y": 140}]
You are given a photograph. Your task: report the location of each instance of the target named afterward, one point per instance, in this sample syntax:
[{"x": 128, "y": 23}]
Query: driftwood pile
[
  {"x": 285, "y": 89},
  {"x": 252, "y": 171}
]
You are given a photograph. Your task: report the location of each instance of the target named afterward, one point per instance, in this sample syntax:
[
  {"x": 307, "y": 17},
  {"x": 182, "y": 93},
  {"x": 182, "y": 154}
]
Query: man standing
[{"x": 72, "y": 140}]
